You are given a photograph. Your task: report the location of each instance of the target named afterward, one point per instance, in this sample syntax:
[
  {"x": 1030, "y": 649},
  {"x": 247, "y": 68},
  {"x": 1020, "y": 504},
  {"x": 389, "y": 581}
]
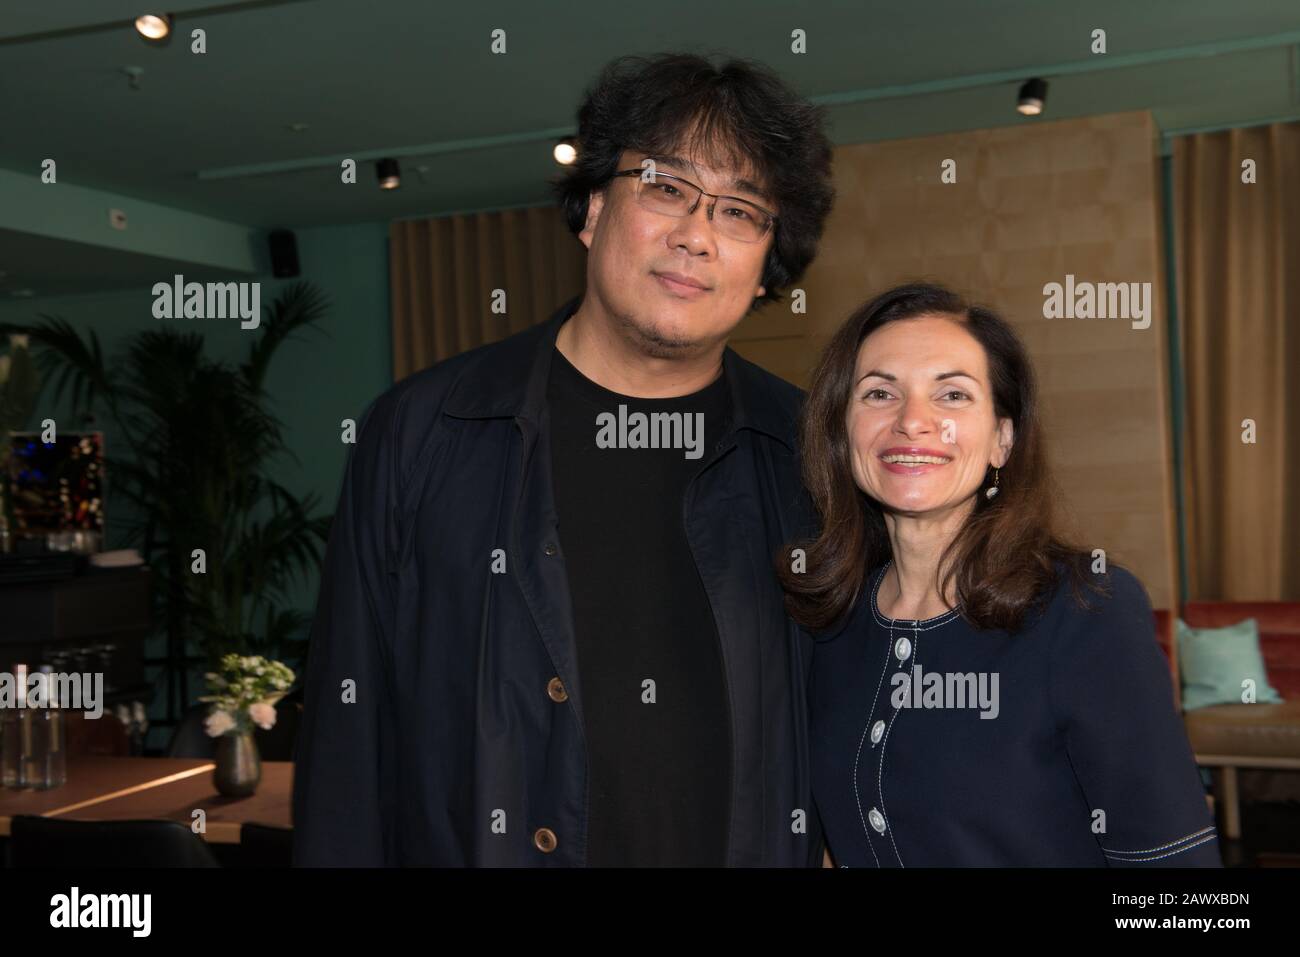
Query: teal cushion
[{"x": 1215, "y": 661}]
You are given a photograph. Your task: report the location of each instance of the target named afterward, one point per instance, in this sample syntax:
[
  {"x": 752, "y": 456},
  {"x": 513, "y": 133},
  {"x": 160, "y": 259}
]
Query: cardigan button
[
  {"x": 877, "y": 820},
  {"x": 877, "y": 732},
  {"x": 544, "y": 838},
  {"x": 555, "y": 688},
  {"x": 902, "y": 648}
]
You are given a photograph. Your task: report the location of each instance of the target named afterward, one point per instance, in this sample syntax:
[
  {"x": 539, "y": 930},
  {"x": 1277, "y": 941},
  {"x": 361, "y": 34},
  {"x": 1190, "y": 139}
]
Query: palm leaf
[
  {"x": 299, "y": 307},
  {"x": 74, "y": 365}
]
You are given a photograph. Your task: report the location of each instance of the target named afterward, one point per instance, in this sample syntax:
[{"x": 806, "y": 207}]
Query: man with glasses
[
  {"x": 739, "y": 219},
  {"x": 563, "y": 632}
]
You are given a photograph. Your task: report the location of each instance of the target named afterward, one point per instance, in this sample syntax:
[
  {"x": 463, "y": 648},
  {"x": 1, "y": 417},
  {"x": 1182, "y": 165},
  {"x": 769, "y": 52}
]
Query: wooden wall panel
[{"x": 1032, "y": 202}]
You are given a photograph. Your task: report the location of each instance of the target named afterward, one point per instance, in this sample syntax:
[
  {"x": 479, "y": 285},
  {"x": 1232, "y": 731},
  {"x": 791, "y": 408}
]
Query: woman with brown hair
[{"x": 983, "y": 692}]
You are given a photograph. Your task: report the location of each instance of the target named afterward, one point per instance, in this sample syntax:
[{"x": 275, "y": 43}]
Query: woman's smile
[{"x": 913, "y": 461}]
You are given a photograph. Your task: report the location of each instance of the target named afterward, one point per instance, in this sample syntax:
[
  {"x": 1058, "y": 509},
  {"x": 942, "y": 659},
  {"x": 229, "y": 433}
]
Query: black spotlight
[
  {"x": 390, "y": 177},
  {"x": 1033, "y": 96},
  {"x": 154, "y": 27}
]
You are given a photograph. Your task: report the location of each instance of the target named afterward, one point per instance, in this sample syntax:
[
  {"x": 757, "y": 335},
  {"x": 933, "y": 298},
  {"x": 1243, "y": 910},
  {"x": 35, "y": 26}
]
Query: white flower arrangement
[{"x": 245, "y": 693}]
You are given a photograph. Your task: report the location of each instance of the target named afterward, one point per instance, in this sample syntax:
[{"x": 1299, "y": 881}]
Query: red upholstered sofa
[{"x": 1229, "y": 737}]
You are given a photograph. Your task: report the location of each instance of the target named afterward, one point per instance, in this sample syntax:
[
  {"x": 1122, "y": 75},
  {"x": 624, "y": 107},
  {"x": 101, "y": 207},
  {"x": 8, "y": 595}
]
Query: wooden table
[{"x": 172, "y": 789}]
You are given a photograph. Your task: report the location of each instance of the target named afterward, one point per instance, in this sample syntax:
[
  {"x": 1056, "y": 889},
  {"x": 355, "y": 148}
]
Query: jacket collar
[{"x": 508, "y": 380}]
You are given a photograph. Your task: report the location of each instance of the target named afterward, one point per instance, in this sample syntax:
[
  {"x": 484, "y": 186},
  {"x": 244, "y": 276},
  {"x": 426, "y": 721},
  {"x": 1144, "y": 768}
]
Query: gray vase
[{"x": 239, "y": 768}]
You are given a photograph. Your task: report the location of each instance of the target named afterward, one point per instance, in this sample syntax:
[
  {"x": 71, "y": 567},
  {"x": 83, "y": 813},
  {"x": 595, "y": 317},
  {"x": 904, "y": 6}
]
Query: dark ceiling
[{"x": 212, "y": 133}]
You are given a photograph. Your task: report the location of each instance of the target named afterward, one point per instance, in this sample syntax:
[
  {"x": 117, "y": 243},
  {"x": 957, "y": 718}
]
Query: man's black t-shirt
[{"x": 654, "y": 697}]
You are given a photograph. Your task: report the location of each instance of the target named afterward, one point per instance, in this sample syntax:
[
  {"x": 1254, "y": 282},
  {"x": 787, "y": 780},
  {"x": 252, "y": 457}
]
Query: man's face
[{"x": 631, "y": 248}]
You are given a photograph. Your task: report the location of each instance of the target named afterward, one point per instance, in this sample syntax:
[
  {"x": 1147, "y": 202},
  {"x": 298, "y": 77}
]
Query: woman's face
[{"x": 922, "y": 429}]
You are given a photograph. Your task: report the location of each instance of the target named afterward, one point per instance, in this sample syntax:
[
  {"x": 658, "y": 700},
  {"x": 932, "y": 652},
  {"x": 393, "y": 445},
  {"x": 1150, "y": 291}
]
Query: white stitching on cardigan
[
  {"x": 880, "y": 768},
  {"x": 1144, "y": 860},
  {"x": 918, "y": 625},
  {"x": 858, "y": 797},
  {"x": 857, "y": 759},
  {"x": 1151, "y": 850},
  {"x": 923, "y": 624}
]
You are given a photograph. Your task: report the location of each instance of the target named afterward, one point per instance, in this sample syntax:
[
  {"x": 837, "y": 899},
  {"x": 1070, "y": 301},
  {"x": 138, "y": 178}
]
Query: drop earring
[{"x": 992, "y": 490}]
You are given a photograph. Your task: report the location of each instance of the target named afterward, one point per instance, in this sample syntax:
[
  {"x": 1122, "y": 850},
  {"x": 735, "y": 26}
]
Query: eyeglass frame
[{"x": 703, "y": 192}]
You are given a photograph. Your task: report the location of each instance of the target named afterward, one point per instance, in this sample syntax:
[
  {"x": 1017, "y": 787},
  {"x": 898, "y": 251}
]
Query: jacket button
[
  {"x": 550, "y": 548},
  {"x": 544, "y": 838},
  {"x": 555, "y": 688}
]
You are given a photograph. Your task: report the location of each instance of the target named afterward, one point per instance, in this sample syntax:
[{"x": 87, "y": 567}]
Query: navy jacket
[
  {"x": 937, "y": 745},
  {"x": 435, "y": 731}
]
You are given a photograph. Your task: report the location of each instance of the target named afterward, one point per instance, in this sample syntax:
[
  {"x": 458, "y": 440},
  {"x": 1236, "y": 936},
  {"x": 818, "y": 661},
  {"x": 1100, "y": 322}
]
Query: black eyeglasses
[{"x": 671, "y": 195}]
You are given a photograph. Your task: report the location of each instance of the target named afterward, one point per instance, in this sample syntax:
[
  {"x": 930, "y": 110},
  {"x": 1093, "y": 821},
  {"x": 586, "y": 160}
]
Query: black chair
[
  {"x": 262, "y": 845},
  {"x": 190, "y": 740},
  {"x": 51, "y": 842}
]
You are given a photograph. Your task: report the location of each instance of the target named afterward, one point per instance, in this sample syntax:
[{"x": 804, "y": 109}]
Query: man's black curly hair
[{"x": 738, "y": 115}]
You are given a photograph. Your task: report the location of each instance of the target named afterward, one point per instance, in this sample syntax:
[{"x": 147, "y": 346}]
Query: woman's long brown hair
[{"x": 1005, "y": 557}]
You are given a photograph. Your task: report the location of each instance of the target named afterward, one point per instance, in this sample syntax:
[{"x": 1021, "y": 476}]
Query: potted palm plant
[{"x": 199, "y": 445}]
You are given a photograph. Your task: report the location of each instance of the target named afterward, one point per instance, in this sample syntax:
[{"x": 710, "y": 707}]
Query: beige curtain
[
  {"x": 442, "y": 273},
  {"x": 1239, "y": 313}
]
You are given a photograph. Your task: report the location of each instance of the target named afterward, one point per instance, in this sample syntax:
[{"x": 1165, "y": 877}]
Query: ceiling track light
[
  {"x": 565, "y": 151},
  {"x": 389, "y": 174},
  {"x": 154, "y": 27},
  {"x": 1033, "y": 97}
]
